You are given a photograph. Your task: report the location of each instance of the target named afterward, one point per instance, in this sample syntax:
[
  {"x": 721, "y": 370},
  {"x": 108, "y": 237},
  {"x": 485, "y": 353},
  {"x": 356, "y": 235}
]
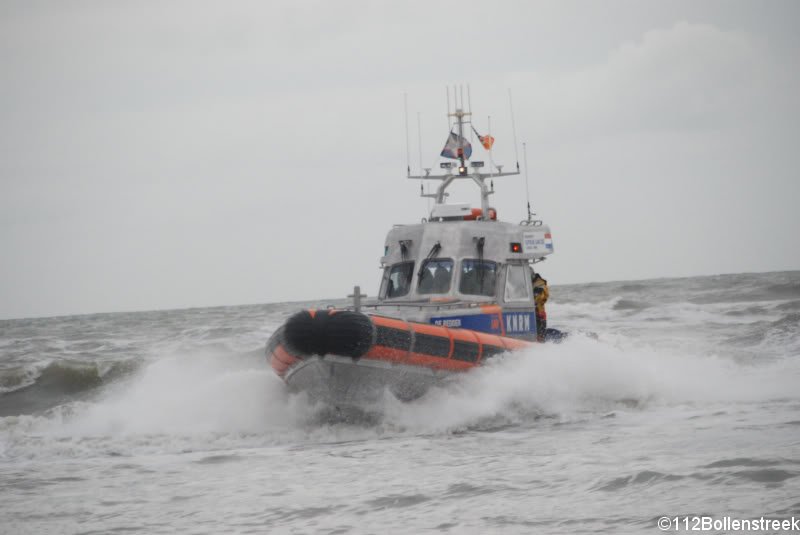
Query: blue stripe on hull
[{"x": 513, "y": 323}]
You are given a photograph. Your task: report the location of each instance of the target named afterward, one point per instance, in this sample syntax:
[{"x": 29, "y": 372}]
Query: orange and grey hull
[{"x": 349, "y": 358}]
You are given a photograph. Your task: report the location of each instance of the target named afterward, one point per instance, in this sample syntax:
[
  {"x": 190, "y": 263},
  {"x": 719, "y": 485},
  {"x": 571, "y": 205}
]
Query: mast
[
  {"x": 464, "y": 169},
  {"x": 459, "y": 115}
]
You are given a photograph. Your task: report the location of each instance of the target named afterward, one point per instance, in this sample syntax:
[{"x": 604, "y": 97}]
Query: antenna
[
  {"x": 419, "y": 138},
  {"x": 492, "y": 166},
  {"x": 527, "y": 191},
  {"x": 469, "y": 109},
  {"x": 447, "y": 90},
  {"x": 427, "y": 170},
  {"x": 513, "y": 127},
  {"x": 408, "y": 152},
  {"x": 491, "y": 156}
]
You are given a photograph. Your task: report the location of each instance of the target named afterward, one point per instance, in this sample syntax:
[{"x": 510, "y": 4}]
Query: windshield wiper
[{"x": 423, "y": 266}]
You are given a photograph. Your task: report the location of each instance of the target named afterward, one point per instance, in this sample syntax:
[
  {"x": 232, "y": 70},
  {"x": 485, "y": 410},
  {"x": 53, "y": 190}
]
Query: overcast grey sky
[{"x": 175, "y": 154}]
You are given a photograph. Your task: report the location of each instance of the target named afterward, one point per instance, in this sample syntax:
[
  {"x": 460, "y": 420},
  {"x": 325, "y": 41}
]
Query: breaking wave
[
  {"x": 629, "y": 304},
  {"x": 583, "y": 376},
  {"x": 27, "y": 389},
  {"x": 184, "y": 403}
]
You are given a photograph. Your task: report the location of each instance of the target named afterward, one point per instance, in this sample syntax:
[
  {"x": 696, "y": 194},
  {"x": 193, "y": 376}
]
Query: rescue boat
[{"x": 455, "y": 291}]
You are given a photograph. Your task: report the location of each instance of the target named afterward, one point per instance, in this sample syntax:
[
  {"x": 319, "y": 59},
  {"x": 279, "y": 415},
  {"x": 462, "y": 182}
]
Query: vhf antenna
[
  {"x": 408, "y": 150},
  {"x": 513, "y": 128},
  {"x": 527, "y": 190}
]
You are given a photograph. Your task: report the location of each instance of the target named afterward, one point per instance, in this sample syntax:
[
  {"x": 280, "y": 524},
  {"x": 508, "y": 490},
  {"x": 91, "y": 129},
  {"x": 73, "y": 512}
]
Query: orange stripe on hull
[
  {"x": 282, "y": 360},
  {"x": 386, "y": 353},
  {"x": 284, "y": 356},
  {"x": 489, "y": 339},
  {"x": 392, "y": 323},
  {"x": 437, "y": 363},
  {"x": 397, "y": 356},
  {"x": 280, "y": 367},
  {"x": 433, "y": 330},
  {"x": 465, "y": 335}
]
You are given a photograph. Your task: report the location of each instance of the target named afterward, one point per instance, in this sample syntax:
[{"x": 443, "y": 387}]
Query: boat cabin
[
  {"x": 482, "y": 261},
  {"x": 462, "y": 267}
]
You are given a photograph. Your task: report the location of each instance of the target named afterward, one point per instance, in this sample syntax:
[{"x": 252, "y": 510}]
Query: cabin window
[
  {"x": 517, "y": 284},
  {"x": 435, "y": 276},
  {"x": 399, "y": 281},
  {"x": 478, "y": 277}
]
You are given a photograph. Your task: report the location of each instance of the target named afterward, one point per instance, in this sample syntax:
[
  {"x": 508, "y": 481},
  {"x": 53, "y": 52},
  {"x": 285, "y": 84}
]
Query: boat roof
[{"x": 491, "y": 240}]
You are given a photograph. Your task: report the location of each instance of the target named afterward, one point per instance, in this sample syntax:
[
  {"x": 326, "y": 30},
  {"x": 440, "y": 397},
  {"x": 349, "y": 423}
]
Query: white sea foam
[
  {"x": 211, "y": 399},
  {"x": 585, "y": 375},
  {"x": 184, "y": 395}
]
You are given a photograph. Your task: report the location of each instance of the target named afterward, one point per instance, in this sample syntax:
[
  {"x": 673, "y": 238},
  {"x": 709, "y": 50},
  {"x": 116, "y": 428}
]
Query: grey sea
[{"x": 675, "y": 398}]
